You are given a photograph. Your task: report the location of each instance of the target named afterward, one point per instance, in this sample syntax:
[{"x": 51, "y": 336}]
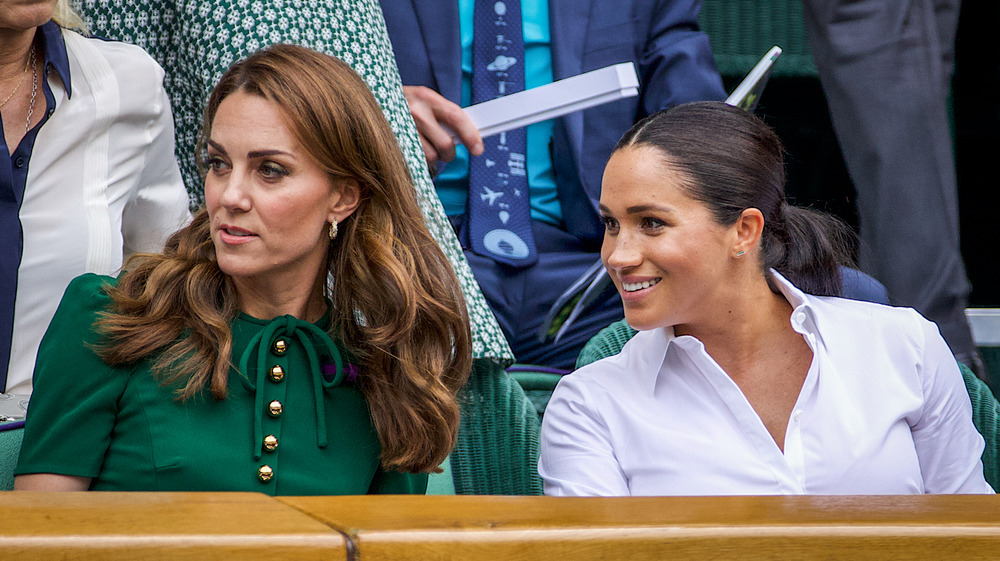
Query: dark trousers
[
  {"x": 521, "y": 298},
  {"x": 885, "y": 66}
]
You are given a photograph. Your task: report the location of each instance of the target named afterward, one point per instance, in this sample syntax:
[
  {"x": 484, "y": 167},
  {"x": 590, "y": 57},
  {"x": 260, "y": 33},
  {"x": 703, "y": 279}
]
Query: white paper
[{"x": 556, "y": 99}]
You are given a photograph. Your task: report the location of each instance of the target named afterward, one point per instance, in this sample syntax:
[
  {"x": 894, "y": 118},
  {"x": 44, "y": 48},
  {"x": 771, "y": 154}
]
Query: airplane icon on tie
[{"x": 490, "y": 195}]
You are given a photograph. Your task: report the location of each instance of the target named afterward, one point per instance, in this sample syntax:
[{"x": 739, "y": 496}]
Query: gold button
[
  {"x": 280, "y": 347},
  {"x": 274, "y": 408},
  {"x": 277, "y": 374},
  {"x": 270, "y": 443},
  {"x": 265, "y": 473}
]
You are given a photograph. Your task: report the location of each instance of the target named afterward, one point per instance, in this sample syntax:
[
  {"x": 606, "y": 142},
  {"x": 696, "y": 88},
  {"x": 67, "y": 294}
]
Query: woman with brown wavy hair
[{"x": 303, "y": 335}]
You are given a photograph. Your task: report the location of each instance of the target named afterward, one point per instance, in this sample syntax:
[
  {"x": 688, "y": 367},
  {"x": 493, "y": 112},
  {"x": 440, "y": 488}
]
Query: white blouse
[
  {"x": 883, "y": 410},
  {"x": 103, "y": 183}
]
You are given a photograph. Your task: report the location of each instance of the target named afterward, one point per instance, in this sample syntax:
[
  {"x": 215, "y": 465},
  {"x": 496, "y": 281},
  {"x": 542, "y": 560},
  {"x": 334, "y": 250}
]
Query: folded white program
[{"x": 564, "y": 96}]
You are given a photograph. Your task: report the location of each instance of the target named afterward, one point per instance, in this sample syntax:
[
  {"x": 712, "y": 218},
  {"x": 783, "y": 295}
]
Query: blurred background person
[
  {"x": 550, "y": 173},
  {"x": 886, "y": 70},
  {"x": 87, "y": 173}
]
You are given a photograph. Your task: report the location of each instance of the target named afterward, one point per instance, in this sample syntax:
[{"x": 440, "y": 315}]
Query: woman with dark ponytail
[{"x": 749, "y": 375}]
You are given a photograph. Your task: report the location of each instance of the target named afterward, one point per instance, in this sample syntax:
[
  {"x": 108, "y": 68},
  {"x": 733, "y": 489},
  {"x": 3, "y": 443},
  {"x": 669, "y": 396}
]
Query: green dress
[{"x": 122, "y": 428}]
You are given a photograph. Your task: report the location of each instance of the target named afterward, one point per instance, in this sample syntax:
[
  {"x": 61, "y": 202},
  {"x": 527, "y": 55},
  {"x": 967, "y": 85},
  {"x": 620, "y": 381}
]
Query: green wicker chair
[
  {"x": 10, "y": 449},
  {"x": 537, "y": 383},
  {"x": 608, "y": 342},
  {"x": 441, "y": 483},
  {"x": 985, "y": 413},
  {"x": 497, "y": 449},
  {"x": 985, "y": 408}
]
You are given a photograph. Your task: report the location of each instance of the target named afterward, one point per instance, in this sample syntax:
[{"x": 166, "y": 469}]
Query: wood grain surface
[
  {"x": 119, "y": 526},
  {"x": 211, "y": 526},
  {"x": 745, "y": 528}
]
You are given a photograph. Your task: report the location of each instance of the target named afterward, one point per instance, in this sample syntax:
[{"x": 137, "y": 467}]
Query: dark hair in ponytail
[{"x": 733, "y": 162}]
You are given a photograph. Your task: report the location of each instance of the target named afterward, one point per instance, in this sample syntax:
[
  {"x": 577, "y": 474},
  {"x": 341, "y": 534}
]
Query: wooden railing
[
  {"x": 250, "y": 526},
  {"x": 138, "y": 526}
]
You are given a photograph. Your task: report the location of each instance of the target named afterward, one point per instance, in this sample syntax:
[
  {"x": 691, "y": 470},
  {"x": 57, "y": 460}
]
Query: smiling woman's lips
[
  {"x": 634, "y": 286},
  {"x": 635, "y": 291}
]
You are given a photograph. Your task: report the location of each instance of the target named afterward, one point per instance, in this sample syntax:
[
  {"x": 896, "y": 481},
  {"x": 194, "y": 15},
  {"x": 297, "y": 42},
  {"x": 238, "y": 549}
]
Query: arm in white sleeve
[
  {"x": 947, "y": 443},
  {"x": 577, "y": 457},
  {"x": 159, "y": 204}
]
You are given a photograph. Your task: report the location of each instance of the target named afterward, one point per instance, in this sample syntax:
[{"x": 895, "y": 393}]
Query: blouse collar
[
  {"x": 655, "y": 344},
  {"x": 54, "y": 49}
]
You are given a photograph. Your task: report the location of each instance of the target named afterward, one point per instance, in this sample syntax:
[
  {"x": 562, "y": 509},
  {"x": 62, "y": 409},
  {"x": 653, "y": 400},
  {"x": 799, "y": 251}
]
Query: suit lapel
[
  {"x": 439, "y": 26},
  {"x": 569, "y": 22}
]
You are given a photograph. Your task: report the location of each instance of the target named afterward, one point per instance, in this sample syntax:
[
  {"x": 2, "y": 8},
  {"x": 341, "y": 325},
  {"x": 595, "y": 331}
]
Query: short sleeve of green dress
[{"x": 292, "y": 424}]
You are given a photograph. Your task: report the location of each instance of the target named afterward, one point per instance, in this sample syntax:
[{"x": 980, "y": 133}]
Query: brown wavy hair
[{"x": 397, "y": 305}]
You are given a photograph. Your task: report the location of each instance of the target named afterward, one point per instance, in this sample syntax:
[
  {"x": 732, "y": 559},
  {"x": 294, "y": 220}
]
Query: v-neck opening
[{"x": 749, "y": 420}]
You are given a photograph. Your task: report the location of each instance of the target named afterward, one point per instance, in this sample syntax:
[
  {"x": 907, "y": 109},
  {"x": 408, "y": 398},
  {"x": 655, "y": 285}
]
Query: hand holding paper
[{"x": 441, "y": 124}]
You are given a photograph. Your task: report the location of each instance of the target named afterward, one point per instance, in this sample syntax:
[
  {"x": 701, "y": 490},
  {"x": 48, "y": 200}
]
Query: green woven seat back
[
  {"x": 985, "y": 408},
  {"x": 608, "y": 342},
  {"x": 741, "y": 32},
  {"x": 985, "y": 412},
  {"x": 497, "y": 449},
  {"x": 10, "y": 449},
  {"x": 537, "y": 382}
]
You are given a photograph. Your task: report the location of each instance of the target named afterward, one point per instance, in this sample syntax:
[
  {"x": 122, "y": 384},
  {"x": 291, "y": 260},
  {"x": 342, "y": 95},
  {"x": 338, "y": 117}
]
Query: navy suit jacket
[{"x": 661, "y": 37}]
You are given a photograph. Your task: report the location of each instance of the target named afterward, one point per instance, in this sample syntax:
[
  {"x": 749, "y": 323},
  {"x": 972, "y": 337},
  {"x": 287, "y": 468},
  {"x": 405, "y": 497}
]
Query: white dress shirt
[
  {"x": 103, "y": 182},
  {"x": 883, "y": 410}
]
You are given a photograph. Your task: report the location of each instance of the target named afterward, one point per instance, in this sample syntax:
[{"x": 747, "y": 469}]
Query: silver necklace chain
[{"x": 34, "y": 90}]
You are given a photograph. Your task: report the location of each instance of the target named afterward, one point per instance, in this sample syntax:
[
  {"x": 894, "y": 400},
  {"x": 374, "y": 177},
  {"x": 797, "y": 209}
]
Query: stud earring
[
  {"x": 333, "y": 230},
  {"x": 740, "y": 254}
]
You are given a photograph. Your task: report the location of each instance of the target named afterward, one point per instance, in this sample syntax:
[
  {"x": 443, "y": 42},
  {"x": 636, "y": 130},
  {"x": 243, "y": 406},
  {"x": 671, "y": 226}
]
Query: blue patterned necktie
[{"x": 499, "y": 207}]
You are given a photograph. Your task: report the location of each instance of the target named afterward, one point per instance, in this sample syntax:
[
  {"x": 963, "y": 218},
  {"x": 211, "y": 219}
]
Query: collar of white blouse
[{"x": 804, "y": 320}]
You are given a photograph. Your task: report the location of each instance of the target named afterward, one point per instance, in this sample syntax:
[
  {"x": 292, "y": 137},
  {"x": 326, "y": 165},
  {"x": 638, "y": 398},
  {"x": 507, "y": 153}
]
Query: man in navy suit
[{"x": 432, "y": 40}]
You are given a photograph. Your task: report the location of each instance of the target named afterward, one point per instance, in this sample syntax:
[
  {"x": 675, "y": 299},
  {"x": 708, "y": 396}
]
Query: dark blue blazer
[{"x": 671, "y": 56}]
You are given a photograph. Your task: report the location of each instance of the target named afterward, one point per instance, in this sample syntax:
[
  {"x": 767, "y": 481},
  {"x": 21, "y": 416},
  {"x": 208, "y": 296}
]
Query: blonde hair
[
  {"x": 65, "y": 16},
  {"x": 397, "y": 304}
]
